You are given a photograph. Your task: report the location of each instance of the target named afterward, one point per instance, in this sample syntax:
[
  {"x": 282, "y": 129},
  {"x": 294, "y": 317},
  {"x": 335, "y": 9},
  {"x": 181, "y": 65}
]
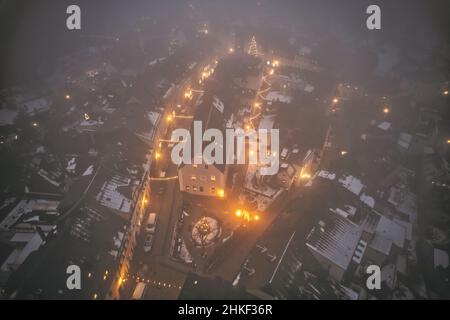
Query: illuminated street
[{"x": 224, "y": 150}]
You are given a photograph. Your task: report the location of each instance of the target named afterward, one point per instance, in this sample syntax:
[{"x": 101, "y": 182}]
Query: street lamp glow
[
  {"x": 386, "y": 110},
  {"x": 271, "y": 72},
  {"x": 305, "y": 176},
  {"x": 169, "y": 118},
  {"x": 230, "y": 50},
  {"x": 445, "y": 93},
  {"x": 157, "y": 155},
  {"x": 256, "y": 217},
  {"x": 335, "y": 100},
  {"x": 238, "y": 213},
  {"x": 188, "y": 94},
  {"x": 35, "y": 124},
  {"x": 67, "y": 96},
  {"x": 221, "y": 193}
]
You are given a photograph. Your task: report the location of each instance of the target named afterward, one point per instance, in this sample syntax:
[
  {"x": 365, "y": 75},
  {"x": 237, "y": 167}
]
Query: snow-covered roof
[
  {"x": 154, "y": 117},
  {"x": 405, "y": 202},
  {"x": 326, "y": 174},
  {"x": 16, "y": 213},
  {"x": 309, "y": 88},
  {"x": 384, "y": 125},
  {"x": 218, "y": 104},
  {"x": 381, "y": 244},
  {"x": 389, "y": 229},
  {"x": 110, "y": 197},
  {"x": 276, "y": 95},
  {"x": 36, "y": 106},
  {"x": 352, "y": 184},
  {"x": 89, "y": 170},
  {"x": 368, "y": 200},
  {"x": 335, "y": 238},
  {"x": 404, "y": 140}
]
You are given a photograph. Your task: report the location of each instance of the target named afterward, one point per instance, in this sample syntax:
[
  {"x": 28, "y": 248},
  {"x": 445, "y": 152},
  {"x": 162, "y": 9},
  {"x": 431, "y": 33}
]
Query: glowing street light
[
  {"x": 221, "y": 193},
  {"x": 169, "y": 118},
  {"x": 335, "y": 100},
  {"x": 188, "y": 94},
  {"x": 275, "y": 63},
  {"x": 67, "y": 96},
  {"x": 34, "y": 124},
  {"x": 305, "y": 176},
  {"x": 271, "y": 72},
  {"x": 386, "y": 110},
  {"x": 445, "y": 93},
  {"x": 157, "y": 155},
  {"x": 238, "y": 213}
]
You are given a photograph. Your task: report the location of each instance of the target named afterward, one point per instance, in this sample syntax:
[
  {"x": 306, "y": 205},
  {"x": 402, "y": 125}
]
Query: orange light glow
[{"x": 386, "y": 110}]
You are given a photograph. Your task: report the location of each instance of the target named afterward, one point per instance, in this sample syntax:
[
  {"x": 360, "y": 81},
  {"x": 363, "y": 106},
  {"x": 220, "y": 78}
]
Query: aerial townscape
[{"x": 357, "y": 209}]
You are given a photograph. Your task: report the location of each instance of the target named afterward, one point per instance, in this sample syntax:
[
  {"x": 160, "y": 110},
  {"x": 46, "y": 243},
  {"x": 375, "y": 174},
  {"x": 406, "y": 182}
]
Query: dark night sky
[{"x": 33, "y": 32}]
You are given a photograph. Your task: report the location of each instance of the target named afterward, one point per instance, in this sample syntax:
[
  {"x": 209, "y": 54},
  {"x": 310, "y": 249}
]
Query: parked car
[
  {"x": 161, "y": 185},
  {"x": 150, "y": 225},
  {"x": 181, "y": 220},
  {"x": 284, "y": 154},
  {"x": 148, "y": 242},
  {"x": 179, "y": 243},
  {"x": 139, "y": 291}
]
